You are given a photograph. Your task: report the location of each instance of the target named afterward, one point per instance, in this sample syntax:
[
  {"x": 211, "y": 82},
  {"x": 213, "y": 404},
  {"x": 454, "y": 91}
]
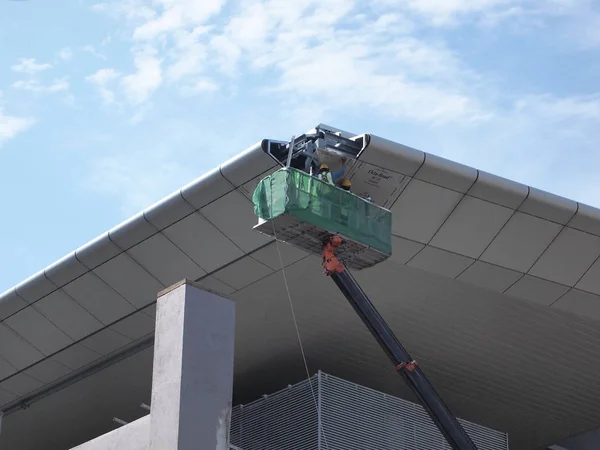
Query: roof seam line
[
  {"x": 446, "y": 219},
  {"x": 564, "y": 226},
  {"x": 465, "y": 269},
  {"x": 514, "y": 212},
  {"x": 268, "y": 275},
  {"x": 208, "y": 274},
  {"x": 68, "y": 296},
  {"x": 565, "y": 293},
  {"x": 224, "y": 234},
  {"x": 411, "y": 178},
  {"x": 182, "y": 251},
  {"x": 586, "y": 270}
]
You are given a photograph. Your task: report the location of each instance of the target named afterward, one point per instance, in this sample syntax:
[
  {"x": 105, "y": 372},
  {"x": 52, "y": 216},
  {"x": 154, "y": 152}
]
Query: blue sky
[{"x": 106, "y": 107}]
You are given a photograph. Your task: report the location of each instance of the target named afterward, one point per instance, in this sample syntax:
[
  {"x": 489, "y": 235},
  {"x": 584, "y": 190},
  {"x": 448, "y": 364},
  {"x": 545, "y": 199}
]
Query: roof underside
[{"x": 493, "y": 286}]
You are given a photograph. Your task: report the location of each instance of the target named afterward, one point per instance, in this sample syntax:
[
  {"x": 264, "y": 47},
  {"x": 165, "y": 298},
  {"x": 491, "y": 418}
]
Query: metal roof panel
[{"x": 463, "y": 332}]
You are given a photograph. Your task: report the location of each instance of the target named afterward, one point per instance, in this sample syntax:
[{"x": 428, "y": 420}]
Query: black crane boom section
[{"x": 404, "y": 364}]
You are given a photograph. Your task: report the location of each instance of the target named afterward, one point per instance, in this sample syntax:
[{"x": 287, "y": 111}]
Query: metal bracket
[
  {"x": 335, "y": 141},
  {"x": 290, "y": 151},
  {"x": 119, "y": 421},
  {"x": 410, "y": 366},
  {"x": 324, "y": 140}
]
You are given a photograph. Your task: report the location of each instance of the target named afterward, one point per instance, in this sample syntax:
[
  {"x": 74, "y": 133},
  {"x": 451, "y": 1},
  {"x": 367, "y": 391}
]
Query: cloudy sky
[{"x": 105, "y": 107}]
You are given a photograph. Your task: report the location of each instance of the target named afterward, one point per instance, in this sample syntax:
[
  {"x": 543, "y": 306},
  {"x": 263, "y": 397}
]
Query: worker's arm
[{"x": 339, "y": 173}]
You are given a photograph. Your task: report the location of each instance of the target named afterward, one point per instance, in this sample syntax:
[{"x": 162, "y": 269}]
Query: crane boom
[
  {"x": 295, "y": 207},
  {"x": 404, "y": 364}
]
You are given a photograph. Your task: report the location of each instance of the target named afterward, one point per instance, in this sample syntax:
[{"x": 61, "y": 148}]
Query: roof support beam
[{"x": 78, "y": 375}]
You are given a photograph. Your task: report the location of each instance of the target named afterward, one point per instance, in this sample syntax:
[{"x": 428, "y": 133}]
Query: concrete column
[{"x": 192, "y": 380}]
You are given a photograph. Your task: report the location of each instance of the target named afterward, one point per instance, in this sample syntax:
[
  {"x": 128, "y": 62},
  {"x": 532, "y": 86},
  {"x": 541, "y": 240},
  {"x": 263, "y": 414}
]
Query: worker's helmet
[
  {"x": 346, "y": 184},
  {"x": 323, "y": 167}
]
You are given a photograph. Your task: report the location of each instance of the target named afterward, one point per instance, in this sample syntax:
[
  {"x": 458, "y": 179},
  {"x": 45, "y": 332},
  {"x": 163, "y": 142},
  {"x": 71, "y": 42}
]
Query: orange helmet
[{"x": 346, "y": 183}]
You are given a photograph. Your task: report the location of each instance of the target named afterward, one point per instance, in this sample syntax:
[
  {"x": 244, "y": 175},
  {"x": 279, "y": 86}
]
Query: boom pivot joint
[
  {"x": 331, "y": 264},
  {"x": 410, "y": 366}
]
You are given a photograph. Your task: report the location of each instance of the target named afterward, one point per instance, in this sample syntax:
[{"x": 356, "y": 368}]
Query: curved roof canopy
[{"x": 494, "y": 286}]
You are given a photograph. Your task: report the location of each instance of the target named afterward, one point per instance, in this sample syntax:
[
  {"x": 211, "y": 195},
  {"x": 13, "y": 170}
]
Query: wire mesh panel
[
  {"x": 284, "y": 420},
  {"x": 351, "y": 417},
  {"x": 358, "y": 418}
]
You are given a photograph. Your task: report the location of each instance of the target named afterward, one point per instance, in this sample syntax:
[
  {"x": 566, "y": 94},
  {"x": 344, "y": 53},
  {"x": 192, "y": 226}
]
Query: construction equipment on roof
[
  {"x": 303, "y": 211},
  {"x": 349, "y": 232}
]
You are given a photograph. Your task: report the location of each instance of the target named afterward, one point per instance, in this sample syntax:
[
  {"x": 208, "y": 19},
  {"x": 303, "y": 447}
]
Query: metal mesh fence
[{"x": 352, "y": 417}]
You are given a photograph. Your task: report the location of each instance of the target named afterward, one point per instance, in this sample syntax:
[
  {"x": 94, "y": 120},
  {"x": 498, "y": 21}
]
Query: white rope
[
  {"x": 298, "y": 335},
  {"x": 289, "y": 295}
]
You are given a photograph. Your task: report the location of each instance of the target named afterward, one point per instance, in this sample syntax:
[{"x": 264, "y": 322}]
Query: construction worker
[
  {"x": 324, "y": 174},
  {"x": 331, "y": 177},
  {"x": 346, "y": 184},
  {"x": 340, "y": 172}
]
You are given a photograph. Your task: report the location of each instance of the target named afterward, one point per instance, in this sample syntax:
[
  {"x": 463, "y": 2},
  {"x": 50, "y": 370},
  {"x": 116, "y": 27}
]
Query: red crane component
[{"x": 331, "y": 263}]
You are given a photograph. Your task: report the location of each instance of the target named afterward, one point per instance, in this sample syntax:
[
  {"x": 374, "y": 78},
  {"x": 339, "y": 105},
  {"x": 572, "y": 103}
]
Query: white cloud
[
  {"x": 137, "y": 87},
  {"x": 11, "y": 126},
  {"x": 581, "y": 17},
  {"x": 103, "y": 76},
  {"x": 346, "y": 62},
  {"x": 101, "y": 79},
  {"x": 57, "y": 85},
  {"x": 205, "y": 85},
  {"x": 512, "y": 15},
  {"x": 346, "y": 53},
  {"x": 173, "y": 15},
  {"x": 30, "y": 66},
  {"x": 590, "y": 34},
  {"x": 188, "y": 55},
  {"x": 445, "y": 11},
  {"x": 107, "y": 40},
  {"x": 200, "y": 86},
  {"x": 181, "y": 23},
  {"x": 92, "y": 51},
  {"x": 554, "y": 108},
  {"x": 225, "y": 54},
  {"x": 65, "y": 54},
  {"x": 339, "y": 55},
  {"x": 584, "y": 21},
  {"x": 147, "y": 78},
  {"x": 131, "y": 10},
  {"x": 31, "y": 69}
]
